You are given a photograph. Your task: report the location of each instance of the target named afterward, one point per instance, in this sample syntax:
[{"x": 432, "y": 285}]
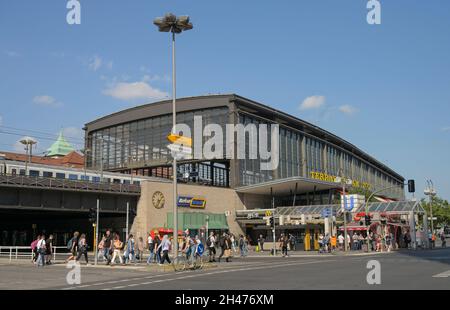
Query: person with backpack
[
  {"x": 82, "y": 249},
  {"x": 34, "y": 249},
  {"x": 211, "y": 244},
  {"x": 117, "y": 247},
  {"x": 41, "y": 251},
  {"x": 284, "y": 246},
  {"x": 72, "y": 246}
]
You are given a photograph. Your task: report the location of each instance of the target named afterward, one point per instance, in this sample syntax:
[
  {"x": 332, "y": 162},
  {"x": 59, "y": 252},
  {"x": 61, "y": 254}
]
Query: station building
[{"x": 213, "y": 192}]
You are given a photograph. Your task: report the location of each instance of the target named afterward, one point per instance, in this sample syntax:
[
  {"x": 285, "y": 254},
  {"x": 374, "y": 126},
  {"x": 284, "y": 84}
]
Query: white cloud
[
  {"x": 12, "y": 53},
  {"x": 347, "y": 109},
  {"x": 313, "y": 102},
  {"x": 95, "y": 63},
  {"x": 47, "y": 101},
  {"x": 135, "y": 90}
]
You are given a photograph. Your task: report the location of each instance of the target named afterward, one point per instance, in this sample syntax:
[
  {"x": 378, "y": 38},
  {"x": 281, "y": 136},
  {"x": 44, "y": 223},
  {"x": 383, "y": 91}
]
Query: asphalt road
[{"x": 399, "y": 270}]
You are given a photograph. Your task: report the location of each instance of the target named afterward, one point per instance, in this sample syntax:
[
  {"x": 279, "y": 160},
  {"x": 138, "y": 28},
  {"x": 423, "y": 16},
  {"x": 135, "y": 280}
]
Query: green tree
[{"x": 441, "y": 210}]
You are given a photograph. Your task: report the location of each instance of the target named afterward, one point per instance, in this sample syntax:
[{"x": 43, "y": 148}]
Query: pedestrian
[
  {"x": 222, "y": 245},
  {"x": 117, "y": 247},
  {"x": 101, "y": 246},
  {"x": 140, "y": 249},
  {"x": 157, "y": 242},
  {"x": 341, "y": 242},
  {"x": 443, "y": 241},
  {"x": 49, "y": 250},
  {"x": 82, "y": 249},
  {"x": 261, "y": 243},
  {"x": 321, "y": 245},
  {"x": 233, "y": 243},
  {"x": 34, "y": 250},
  {"x": 241, "y": 244},
  {"x": 41, "y": 251},
  {"x": 284, "y": 245},
  {"x": 108, "y": 247},
  {"x": 130, "y": 250},
  {"x": 72, "y": 246},
  {"x": 227, "y": 249},
  {"x": 292, "y": 242},
  {"x": 165, "y": 246},
  {"x": 211, "y": 244},
  {"x": 151, "y": 248},
  {"x": 333, "y": 243}
]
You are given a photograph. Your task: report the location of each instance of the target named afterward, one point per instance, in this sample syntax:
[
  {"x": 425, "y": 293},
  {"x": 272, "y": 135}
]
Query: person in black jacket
[{"x": 222, "y": 245}]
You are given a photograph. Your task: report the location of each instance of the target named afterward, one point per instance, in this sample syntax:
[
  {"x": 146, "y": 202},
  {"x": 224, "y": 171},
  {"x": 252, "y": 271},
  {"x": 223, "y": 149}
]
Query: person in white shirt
[
  {"x": 165, "y": 248},
  {"x": 151, "y": 249},
  {"x": 211, "y": 244},
  {"x": 341, "y": 242},
  {"x": 41, "y": 249}
]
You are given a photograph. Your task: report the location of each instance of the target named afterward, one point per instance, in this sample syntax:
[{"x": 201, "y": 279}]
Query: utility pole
[
  {"x": 128, "y": 212},
  {"x": 97, "y": 226}
]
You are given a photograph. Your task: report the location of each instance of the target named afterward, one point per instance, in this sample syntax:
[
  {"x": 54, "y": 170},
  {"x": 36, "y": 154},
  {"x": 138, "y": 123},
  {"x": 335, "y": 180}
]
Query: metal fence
[
  {"x": 65, "y": 184},
  {"x": 25, "y": 252}
]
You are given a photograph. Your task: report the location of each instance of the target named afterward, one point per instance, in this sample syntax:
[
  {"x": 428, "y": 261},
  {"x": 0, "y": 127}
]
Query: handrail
[
  {"x": 15, "y": 252},
  {"x": 38, "y": 181}
]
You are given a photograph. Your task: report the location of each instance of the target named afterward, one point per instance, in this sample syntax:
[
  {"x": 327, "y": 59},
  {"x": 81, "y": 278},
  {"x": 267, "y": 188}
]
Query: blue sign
[
  {"x": 350, "y": 207},
  {"x": 191, "y": 202},
  {"x": 184, "y": 202},
  {"x": 327, "y": 212}
]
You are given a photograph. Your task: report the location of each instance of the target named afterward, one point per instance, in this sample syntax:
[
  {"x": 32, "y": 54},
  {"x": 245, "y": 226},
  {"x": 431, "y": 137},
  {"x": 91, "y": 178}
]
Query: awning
[
  {"x": 286, "y": 186},
  {"x": 198, "y": 220}
]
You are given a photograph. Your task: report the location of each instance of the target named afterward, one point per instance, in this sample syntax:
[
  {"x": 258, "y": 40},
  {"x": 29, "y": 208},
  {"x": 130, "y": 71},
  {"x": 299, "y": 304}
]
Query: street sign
[
  {"x": 177, "y": 139},
  {"x": 268, "y": 213},
  {"x": 179, "y": 151},
  {"x": 349, "y": 203}
]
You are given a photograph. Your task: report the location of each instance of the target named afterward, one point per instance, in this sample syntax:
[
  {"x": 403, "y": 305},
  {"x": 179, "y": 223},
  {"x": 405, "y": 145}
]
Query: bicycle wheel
[{"x": 179, "y": 263}]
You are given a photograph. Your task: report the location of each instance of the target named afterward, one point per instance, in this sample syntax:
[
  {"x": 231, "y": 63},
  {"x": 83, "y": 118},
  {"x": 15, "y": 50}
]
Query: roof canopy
[{"x": 393, "y": 207}]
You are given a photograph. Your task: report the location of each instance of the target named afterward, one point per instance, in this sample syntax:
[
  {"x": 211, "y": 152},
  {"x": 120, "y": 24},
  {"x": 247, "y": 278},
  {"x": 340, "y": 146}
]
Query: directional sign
[
  {"x": 180, "y": 151},
  {"x": 351, "y": 205},
  {"x": 177, "y": 139}
]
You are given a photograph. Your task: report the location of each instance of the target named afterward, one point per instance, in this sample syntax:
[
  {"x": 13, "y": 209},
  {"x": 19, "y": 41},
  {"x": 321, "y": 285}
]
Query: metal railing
[
  {"x": 25, "y": 252},
  {"x": 66, "y": 184}
]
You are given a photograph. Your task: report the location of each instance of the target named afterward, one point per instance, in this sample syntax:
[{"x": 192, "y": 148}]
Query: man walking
[{"x": 261, "y": 243}]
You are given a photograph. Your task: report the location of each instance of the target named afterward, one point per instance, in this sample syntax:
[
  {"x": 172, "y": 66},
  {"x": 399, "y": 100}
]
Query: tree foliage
[{"x": 441, "y": 210}]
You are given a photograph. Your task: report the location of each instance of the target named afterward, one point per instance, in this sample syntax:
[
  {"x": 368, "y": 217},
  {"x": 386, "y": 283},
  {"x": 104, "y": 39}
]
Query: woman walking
[
  {"x": 117, "y": 246},
  {"x": 72, "y": 246},
  {"x": 82, "y": 249},
  {"x": 165, "y": 248}
]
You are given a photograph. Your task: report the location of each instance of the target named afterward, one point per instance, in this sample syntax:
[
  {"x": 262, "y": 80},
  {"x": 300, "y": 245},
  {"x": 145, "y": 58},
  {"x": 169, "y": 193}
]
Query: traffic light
[
  {"x": 271, "y": 222},
  {"x": 367, "y": 219},
  {"x": 133, "y": 212},
  {"x": 92, "y": 215},
  {"x": 411, "y": 186}
]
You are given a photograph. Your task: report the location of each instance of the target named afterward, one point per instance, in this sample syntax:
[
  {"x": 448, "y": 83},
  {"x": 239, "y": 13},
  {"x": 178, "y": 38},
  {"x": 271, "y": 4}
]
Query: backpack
[
  {"x": 69, "y": 244},
  {"x": 208, "y": 242},
  {"x": 34, "y": 244}
]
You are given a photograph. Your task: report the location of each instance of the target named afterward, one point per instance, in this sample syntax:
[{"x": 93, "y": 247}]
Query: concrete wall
[{"x": 218, "y": 200}]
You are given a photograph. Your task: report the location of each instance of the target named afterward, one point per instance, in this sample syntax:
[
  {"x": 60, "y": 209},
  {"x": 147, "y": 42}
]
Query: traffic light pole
[
  {"x": 273, "y": 229},
  {"x": 97, "y": 228}
]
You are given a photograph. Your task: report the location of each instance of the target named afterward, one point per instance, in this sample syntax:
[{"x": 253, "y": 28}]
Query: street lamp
[
  {"x": 344, "y": 181},
  {"x": 430, "y": 192},
  {"x": 171, "y": 23},
  {"x": 28, "y": 143}
]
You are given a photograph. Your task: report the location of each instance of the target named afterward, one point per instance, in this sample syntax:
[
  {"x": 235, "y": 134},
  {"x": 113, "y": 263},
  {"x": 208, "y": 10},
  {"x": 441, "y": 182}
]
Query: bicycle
[{"x": 179, "y": 263}]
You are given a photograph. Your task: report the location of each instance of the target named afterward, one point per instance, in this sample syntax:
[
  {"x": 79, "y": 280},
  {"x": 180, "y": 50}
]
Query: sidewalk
[{"x": 315, "y": 254}]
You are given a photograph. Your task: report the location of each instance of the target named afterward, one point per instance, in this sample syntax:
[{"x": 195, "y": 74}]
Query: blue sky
[{"x": 384, "y": 88}]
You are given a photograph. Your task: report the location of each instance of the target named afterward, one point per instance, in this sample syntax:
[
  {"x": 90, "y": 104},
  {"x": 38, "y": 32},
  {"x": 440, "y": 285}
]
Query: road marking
[
  {"x": 224, "y": 271},
  {"x": 445, "y": 274}
]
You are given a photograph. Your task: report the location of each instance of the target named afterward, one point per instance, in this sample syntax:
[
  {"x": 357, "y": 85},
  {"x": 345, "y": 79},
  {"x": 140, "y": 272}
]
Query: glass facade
[
  {"x": 141, "y": 145},
  {"x": 307, "y": 156}
]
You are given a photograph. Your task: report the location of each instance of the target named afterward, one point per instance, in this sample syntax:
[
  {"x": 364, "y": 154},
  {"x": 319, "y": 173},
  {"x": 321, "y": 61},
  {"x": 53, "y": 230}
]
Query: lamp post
[
  {"x": 344, "y": 181},
  {"x": 173, "y": 24},
  {"x": 28, "y": 143},
  {"x": 430, "y": 192}
]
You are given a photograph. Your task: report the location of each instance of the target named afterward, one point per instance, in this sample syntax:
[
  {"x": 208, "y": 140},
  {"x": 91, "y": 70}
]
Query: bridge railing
[{"x": 54, "y": 183}]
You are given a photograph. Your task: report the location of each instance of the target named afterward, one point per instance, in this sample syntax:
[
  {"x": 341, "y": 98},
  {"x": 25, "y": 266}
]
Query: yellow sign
[
  {"x": 333, "y": 179},
  {"x": 268, "y": 213},
  {"x": 177, "y": 139}
]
